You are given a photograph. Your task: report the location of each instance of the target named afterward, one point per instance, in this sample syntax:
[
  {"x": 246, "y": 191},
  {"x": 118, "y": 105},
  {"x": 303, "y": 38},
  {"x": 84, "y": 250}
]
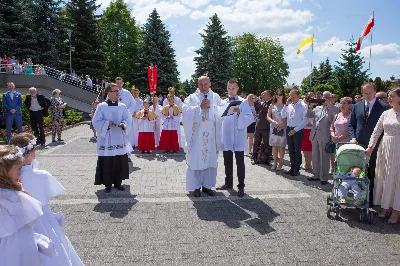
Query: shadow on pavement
[
  {"x": 235, "y": 212},
  {"x": 118, "y": 204}
]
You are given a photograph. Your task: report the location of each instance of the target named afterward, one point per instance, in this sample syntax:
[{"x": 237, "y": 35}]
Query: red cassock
[
  {"x": 146, "y": 141},
  {"x": 169, "y": 141}
]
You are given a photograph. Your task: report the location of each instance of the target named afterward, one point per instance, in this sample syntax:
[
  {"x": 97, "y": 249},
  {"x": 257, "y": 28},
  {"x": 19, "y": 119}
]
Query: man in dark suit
[
  {"x": 261, "y": 135},
  {"x": 364, "y": 117},
  {"x": 38, "y": 108}
]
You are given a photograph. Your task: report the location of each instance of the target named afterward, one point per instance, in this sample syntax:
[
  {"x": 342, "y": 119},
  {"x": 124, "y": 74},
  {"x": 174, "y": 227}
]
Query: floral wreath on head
[
  {"x": 13, "y": 156},
  {"x": 28, "y": 147}
]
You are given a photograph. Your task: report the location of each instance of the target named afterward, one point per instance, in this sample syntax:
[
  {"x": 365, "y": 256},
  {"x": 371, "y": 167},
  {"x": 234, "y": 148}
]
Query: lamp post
[{"x": 70, "y": 54}]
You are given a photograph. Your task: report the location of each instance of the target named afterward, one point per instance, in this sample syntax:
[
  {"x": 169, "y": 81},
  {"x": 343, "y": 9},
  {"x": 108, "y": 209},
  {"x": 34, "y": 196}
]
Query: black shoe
[
  {"x": 289, "y": 172},
  {"x": 143, "y": 152},
  {"x": 43, "y": 144},
  {"x": 324, "y": 183},
  {"x": 295, "y": 173},
  {"x": 107, "y": 190},
  {"x": 224, "y": 187},
  {"x": 53, "y": 140},
  {"x": 241, "y": 192},
  {"x": 120, "y": 188},
  {"x": 312, "y": 179},
  {"x": 197, "y": 193},
  {"x": 166, "y": 152},
  {"x": 268, "y": 163},
  {"x": 60, "y": 140},
  {"x": 129, "y": 160},
  {"x": 149, "y": 152},
  {"x": 208, "y": 191}
]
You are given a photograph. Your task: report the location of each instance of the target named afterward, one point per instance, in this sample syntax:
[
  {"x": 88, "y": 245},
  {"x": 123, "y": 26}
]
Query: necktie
[
  {"x": 366, "y": 114},
  {"x": 231, "y": 98}
]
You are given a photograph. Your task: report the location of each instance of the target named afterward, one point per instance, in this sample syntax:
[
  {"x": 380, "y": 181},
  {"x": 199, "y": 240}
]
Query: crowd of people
[
  {"x": 31, "y": 234},
  {"x": 12, "y": 65},
  {"x": 38, "y": 106}
]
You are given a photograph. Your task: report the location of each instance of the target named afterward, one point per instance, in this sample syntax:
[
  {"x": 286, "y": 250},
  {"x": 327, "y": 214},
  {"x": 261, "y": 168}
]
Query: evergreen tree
[
  {"x": 214, "y": 58},
  {"x": 120, "y": 42},
  {"x": 326, "y": 73},
  {"x": 349, "y": 74},
  {"x": 16, "y": 32},
  {"x": 187, "y": 87},
  {"x": 86, "y": 38},
  {"x": 156, "y": 49},
  {"x": 46, "y": 24}
]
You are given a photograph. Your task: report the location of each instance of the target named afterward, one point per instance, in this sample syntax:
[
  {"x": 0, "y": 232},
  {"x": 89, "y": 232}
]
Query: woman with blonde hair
[{"x": 251, "y": 98}]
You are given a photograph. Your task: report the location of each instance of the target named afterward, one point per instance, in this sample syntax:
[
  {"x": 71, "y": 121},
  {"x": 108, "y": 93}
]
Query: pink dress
[
  {"x": 341, "y": 125},
  {"x": 387, "y": 180}
]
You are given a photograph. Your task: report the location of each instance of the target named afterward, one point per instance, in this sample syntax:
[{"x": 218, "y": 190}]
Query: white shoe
[
  {"x": 273, "y": 168},
  {"x": 278, "y": 169}
]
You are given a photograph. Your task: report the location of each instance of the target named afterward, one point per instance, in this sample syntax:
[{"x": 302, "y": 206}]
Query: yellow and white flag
[{"x": 306, "y": 44}]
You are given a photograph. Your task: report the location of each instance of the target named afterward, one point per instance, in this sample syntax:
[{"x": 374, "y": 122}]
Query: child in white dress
[
  {"x": 19, "y": 245},
  {"x": 43, "y": 187}
]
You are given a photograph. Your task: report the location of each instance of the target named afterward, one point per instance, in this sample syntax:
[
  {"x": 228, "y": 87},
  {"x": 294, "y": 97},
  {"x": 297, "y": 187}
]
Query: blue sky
[{"x": 333, "y": 22}]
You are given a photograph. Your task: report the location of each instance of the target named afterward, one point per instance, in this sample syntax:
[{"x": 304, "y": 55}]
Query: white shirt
[
  {"x": 296, "y": 115},
  {"x": 89, "y": 82},
  {"x": 370, "y": 105}
]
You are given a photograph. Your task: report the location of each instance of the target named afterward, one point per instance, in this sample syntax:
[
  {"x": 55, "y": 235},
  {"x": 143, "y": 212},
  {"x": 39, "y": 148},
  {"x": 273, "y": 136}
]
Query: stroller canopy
[{"x": 349, "y": 155}]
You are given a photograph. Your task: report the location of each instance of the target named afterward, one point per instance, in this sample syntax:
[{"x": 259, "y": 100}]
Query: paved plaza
[{"x": 281, "y": 221}]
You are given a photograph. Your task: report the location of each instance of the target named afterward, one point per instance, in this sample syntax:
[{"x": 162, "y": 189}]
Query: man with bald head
[
  {"x": 202, "y": 123},
  {"x": 382, "y": 96},
  {"x": 38, "y": 106}
]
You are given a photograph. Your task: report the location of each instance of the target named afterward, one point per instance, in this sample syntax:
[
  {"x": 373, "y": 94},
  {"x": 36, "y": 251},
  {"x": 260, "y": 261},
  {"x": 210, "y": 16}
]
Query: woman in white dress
[
  {"x": 42, "y": 186},
  {"x": 277, "y": 136},
  {"x": 19, "y": 245},
  {"x": 387, "y": 178}
]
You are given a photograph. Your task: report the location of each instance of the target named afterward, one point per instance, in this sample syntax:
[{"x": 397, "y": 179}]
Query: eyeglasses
[{"x": 113, "y": 91}]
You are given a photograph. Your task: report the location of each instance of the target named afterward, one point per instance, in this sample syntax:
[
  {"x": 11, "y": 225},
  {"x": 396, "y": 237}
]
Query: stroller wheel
[
  {"x": 337, "y": 212},
  {"x": 362, "y": 216},
  {"x": 328, "y": 199},
  {"x": 328, "y": 211}
]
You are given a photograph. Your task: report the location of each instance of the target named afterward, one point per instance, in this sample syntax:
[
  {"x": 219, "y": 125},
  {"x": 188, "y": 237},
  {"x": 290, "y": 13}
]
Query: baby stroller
[{"x": 349, "y": 155}]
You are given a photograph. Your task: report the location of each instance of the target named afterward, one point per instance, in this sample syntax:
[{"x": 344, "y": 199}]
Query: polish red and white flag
[{"x": 365, "y": 32}]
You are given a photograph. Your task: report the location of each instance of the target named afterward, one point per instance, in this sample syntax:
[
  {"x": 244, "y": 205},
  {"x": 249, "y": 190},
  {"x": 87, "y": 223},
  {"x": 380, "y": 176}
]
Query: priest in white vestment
[
  {"x": 178, "y": 102},
  {"x": 125, "y": 97},
  {"x": 135, "y": 121},
  {"x": 111, "y": 121},
  {"x": 234, "y": 135},
  {"x": 202, "y": 123}
]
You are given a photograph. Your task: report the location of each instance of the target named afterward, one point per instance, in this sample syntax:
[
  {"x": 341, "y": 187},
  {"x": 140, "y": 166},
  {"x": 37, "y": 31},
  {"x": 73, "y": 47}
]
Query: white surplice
[
  {"x": 19, "y": 245},
  {"x": 202, "y": 140},
  {"x": 157, "y": 132},
  {"x": 126, "y": 98},
  {"x": 171, "y": 124},
  {"x": 112, "y": 141},
  {"x": 234, "y": 127},
  {"x": 145, "y": 125},
  {"x": 178, "y": 102},
  {"x": 43, "y": 186},
  {"x": 135, "y": 125}
]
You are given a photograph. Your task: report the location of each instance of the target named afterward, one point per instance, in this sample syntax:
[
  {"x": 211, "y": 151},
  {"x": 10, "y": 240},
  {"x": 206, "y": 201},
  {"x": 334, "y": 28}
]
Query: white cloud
[
  {"x": 190, "y": 49},
  {"x": 258, "y": 16},
  {"x": 142, "y": 9},
  {"x": 103, "y": 4},
  {"x": 297, "y": 75},
  {"x": 195, "y": 3},
  {"x": 382, "y": 51},
  {"x": 188, "y": 65},
  {"x": 332, "y": 46}
]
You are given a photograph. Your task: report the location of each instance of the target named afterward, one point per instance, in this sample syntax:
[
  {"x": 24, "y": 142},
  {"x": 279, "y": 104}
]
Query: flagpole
[
  {"x": 370, "y": 49},
  {"x": 312, "y": 52}
]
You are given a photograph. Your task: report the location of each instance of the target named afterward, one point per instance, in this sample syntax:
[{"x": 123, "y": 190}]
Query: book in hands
[{"x": 231, "y": 106}]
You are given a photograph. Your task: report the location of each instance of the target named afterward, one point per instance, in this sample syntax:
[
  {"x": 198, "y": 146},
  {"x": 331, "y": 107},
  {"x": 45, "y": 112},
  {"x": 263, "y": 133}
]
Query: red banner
[{"x": 152, "y": 76}]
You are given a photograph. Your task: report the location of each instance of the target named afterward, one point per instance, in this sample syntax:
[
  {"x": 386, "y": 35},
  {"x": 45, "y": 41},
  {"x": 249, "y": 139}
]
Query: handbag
[
  {"x": 330, "y": 147},
  {"x": 278, "y": 133}
]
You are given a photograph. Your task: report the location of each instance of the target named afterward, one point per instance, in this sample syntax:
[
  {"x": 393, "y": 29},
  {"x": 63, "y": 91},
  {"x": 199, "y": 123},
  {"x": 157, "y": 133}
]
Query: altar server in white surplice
[
  {"x": 111, "y": 121},
  {"x": 171, "y": 115},
  {"x": 43, "y": 186},
  {"x": 234, "y": 135},
  {"x": 125, "y": 97},
  {"x": 146, "y": 119},
  {"x": 19, "y": 244},
  {"x": 177, "y": 101},
  {"x": 135, "y": 124},
  {"x": 202, "y": 131},
  {"x": 156, "y": 108}
]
